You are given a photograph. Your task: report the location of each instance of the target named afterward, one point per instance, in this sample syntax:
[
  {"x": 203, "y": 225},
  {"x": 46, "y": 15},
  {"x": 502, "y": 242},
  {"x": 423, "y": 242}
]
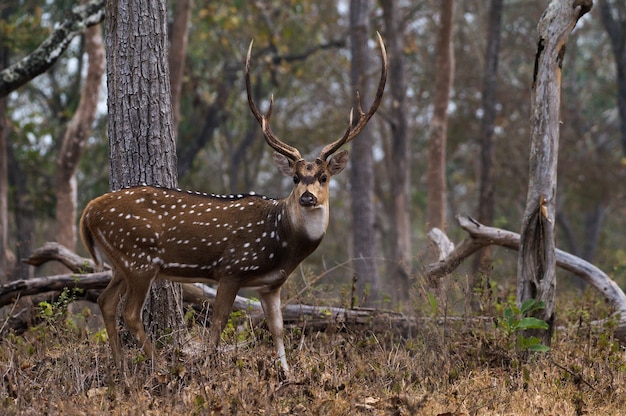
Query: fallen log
[
  {"x": 84, "y": 278},
  {"x": 320, "y": 316},
  {"x": 481, "y": 235}
]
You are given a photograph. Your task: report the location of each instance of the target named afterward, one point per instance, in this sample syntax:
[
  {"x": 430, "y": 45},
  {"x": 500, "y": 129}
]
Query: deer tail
[{"x": 89, "y": 242}]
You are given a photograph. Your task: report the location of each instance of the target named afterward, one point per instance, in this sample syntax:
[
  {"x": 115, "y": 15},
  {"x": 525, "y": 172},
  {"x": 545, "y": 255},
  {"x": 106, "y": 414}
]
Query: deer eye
[
  {"x": 296, "y": 179},
  {"x": 323, "y": 179}
]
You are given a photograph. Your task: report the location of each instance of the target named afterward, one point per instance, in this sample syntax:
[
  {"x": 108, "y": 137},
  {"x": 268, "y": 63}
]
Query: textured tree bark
[
  {"x": 362, "y": 168},
  {"x": 444, "y": 76},
  {"x": 536, "y": 272},
  {"x": 141, "y": 134},
  {"x": 74, "y": 139},
  {"x": 399, "y": 169}
]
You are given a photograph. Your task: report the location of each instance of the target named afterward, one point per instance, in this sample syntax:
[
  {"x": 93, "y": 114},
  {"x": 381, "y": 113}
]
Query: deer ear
[
  {"x": 283, "y": 164},
  {"x": 337, "y": 163}
]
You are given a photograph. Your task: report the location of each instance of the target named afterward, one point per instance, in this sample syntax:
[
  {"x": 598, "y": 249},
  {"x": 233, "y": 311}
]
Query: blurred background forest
[{"x": 302, "y": 58}]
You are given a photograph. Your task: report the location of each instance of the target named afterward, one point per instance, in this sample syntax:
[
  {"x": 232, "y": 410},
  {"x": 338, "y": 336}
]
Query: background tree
[
  {"x": 5, "y": 266},
  {"x": 74, "y": 140},
  {"x": 486, "y": 199},
  {"x": 398, "y": 168},
  {"x": 444, "y": 75},
  {"x": 177, "y": 54},
  {"x": 141, "y": 133},
  {"x": 362, "y": 169},
  {"x": 613, "y": 13}
]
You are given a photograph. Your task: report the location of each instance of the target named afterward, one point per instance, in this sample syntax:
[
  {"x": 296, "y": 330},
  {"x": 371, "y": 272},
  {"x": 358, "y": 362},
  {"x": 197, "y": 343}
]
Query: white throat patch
[{"x": 315, "y": 222}]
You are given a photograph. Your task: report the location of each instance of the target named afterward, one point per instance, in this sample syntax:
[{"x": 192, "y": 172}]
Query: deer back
[{"x": 191, "y": 236}]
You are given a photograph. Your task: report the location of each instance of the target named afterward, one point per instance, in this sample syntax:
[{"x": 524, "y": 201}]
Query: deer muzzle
[{"x": 307, "y": 199}]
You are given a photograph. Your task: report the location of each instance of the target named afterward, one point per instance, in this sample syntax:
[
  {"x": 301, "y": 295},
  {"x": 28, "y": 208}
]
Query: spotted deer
[{"x": 236, "y": 241}]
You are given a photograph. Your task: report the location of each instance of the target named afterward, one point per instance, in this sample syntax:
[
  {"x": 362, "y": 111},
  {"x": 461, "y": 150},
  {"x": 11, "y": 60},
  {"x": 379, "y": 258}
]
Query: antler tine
[
  {"x": 364, "y": 118},
  {"x": 264, "y": 120}
]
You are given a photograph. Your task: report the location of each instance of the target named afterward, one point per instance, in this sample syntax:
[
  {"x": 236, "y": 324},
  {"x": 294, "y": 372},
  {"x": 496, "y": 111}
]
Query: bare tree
[{"x": 536, "y": 274}]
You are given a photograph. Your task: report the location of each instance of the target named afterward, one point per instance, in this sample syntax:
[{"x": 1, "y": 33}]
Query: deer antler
[
  {"x": 264, "y": 120},
  {"x": 364, "y": 118}
]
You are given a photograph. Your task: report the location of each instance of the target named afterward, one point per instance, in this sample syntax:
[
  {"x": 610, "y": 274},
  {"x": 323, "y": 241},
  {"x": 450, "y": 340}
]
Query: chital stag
[{"x": 236, "y": 240}]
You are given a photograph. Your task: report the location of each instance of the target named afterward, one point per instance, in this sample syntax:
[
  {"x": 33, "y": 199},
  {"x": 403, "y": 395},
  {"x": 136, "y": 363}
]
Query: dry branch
[
  {"x": 42, "y": 58},
  {"x": 481, "y": 236}
]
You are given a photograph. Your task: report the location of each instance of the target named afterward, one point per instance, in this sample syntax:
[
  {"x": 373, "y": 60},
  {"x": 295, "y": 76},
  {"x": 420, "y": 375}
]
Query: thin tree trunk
[
  {"x": 5, "y": 269},
  {"x": 24, "y": 216},
  {"x": 486, "y": 193},
  {"x": 444, "y": 75},
  {"x": 141, "y": 130},
  {"x": 361, "y": 172},
  {"x": 536, "y": 261},
  {"x": 399, "y": 173},
  {"x": 74, "y": 139},
  {"x": 177, "y": 54},
  {"x": 614, "y": 21}
]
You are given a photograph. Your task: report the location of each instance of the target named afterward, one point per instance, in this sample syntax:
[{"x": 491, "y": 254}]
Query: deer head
[{"x": 235, "y": 240}]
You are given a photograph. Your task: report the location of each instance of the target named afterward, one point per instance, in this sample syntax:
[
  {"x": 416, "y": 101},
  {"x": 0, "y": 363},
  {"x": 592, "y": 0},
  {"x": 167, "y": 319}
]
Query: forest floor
[{"x": 445, "y": 367}]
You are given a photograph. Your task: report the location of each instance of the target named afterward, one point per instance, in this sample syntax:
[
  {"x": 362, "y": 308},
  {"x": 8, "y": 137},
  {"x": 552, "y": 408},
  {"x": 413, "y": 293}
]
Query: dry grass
[{"x": 465, "y": 368}]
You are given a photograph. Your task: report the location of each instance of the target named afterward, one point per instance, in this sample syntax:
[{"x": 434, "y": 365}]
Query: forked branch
[{"x": 481, "y": 236}]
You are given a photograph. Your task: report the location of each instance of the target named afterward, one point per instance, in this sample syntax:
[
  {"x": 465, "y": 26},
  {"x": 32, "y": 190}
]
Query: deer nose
[{"x": 308, "y": 199}]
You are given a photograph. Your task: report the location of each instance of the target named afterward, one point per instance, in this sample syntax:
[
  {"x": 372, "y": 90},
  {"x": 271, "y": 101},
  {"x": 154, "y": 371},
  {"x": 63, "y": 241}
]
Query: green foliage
[
  {"x": 55, "y": 312},
  {"x": 515, "y": 321},
  {"x": 237, "y": 328},
  {"x": 433, "y": 303}
]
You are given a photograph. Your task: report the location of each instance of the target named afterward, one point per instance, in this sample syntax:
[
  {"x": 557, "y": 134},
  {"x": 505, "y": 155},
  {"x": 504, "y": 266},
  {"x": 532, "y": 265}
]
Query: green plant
[
  {"x": 57, "y": 310},
  {"x": 515, "y": 321}
]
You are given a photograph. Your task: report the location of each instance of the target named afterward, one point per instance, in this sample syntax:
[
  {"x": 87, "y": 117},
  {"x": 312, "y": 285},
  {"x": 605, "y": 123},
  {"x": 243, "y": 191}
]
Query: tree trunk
[
  {"x": 74, "y": 139},
  {"x": 177, "y": 54},
  {"x": 4, "y": 181},
  {"x": 486, "y": 199},
  {"x": 401, "y": 252},
  {"x": 614, "y": 20},
  {"x": 24, "y": 216},
  {"x": 444, "y": 75},
  {"x": 536, "y": 261},
  {"x": 141, "y": 134},
  {"x": 362, "y": 169}
]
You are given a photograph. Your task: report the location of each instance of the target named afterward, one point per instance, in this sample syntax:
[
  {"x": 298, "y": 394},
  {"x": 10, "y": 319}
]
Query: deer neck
[{"x": 309, "y": 223}]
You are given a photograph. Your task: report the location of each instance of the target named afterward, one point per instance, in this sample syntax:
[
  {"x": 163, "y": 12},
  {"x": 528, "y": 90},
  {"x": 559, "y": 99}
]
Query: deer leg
[
  {"x": 133, "y": 305},
  {"x": 108, "y": 302},
  {"x": 270, "y": 301},
  {"x": 226, "y": 292}
]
